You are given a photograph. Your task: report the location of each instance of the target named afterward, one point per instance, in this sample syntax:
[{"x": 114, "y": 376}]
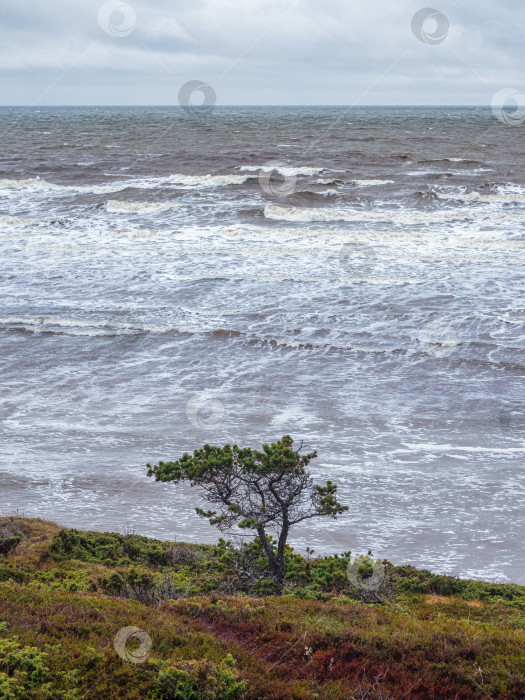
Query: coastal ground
[{"x": 91, "y": 615}]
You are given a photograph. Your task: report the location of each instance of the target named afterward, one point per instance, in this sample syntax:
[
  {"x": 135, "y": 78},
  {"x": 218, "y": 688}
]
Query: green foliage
[
  {"x": 69, "y": 580},
  {"x": 412, "y": 580},
  {"x": 23, "y": 670},
  {"x": 10, "y": 572},
  {"x": 198, "y": 680},
  {"x": 152, "y": 572},
  {"x": 435, "y": 636},
  {"x": 268, "y": 490},
  {"x": 206, "y": 462},
  {"x": 111, "y": 548}
]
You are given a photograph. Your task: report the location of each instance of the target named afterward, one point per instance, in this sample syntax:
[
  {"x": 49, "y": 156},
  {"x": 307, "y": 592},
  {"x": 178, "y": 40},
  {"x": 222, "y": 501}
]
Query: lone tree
[{"x": 268, "y": 490}]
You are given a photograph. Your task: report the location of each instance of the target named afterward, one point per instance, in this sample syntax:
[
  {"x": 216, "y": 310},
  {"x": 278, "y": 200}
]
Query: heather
[{"x": 220, "y": 630}]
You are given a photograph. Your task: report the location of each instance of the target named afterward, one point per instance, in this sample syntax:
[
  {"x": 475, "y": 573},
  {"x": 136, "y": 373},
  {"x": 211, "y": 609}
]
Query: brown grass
[
  {"x": 413, "y": 646},
  {"x": 438, "y": 599},
  {"x": 32, "y": 531}
]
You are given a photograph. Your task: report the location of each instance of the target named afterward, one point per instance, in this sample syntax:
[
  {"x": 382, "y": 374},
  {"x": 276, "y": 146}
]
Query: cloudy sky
[{"x": 75, "y": 52}]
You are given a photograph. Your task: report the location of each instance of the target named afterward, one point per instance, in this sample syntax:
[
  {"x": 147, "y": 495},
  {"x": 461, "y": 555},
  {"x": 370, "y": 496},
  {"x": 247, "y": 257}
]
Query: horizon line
[{"x": 176, "y": 106}]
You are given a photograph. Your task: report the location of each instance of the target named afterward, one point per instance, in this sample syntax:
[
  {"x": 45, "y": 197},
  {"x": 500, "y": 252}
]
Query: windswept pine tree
[{"x": 267, "y": 491}]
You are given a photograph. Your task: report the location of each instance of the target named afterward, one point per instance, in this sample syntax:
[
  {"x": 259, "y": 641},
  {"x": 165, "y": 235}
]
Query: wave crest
[{"x": 115, "y": 206}]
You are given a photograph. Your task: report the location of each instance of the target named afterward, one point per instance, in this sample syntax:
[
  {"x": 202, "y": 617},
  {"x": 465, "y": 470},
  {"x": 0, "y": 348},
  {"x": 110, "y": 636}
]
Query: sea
[{"x": 352, "y": 277}]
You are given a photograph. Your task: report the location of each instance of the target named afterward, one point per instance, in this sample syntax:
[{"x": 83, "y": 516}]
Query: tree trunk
[
  {"x": 281, "y": 548},
  {"x": 277, "y": 566}
]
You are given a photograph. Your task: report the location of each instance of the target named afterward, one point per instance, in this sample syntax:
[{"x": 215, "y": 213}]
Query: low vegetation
[{"x": 221, "y": 627}]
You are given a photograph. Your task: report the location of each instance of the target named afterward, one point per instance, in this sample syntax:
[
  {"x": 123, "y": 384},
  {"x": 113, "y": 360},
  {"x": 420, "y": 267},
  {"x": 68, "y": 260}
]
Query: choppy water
[{"x": 146, "y": 275}]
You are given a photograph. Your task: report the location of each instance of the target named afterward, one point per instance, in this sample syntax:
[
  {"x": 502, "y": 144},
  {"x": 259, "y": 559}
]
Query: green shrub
[
  {"x": 412, "y": 580},
  {"x": 21, "y": 669},
  {"x": 112, "y": 548},
  {"x": 198, "y": 680},
  {"x": 10, "y": 573}
]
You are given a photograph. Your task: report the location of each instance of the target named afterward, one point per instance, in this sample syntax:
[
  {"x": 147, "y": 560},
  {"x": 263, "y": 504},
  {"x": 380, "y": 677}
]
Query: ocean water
[{"x": 363, "y": 293}]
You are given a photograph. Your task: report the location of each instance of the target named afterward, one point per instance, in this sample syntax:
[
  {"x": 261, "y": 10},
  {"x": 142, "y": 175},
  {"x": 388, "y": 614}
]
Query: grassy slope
[{"x": 64, "y": 595}]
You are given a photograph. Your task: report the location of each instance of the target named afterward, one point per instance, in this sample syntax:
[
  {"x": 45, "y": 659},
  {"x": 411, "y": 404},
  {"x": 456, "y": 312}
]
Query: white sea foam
[
  {"x": 301, "y": 234},
  {"x": 503, "y": 198},
  {"x": 205, "y": 180},
  {"x": 18, "y": 184},
  {"x": 15, "y": 221},
  {"x": 115, "y": 206},
  {"x": 190, "y": 181},
  {"x": 511, "y": 319},
  {"x": 373, "y": 183},
  {"x": 78, "y": 327},
  {"x": 138, "y": 233},
  {"x": 327, "y": 181},
  {"x": 39, "y": 184},
  {"x": 405, "y": 216},
  {"x": 287, "y": 171},
  {"x": 417, "y": 173},
  {"x": 326, "y": 193},
  {"x": 431, "y": 447}
]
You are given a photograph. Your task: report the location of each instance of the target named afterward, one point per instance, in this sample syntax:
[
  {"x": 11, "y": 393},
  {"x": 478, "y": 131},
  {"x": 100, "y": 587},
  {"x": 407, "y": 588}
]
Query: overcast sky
[{"x": 70, "y": 52}]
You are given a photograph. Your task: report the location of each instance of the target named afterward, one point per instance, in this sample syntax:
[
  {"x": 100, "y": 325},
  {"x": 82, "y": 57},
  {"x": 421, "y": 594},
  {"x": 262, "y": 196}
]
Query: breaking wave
[
  {"x": 115, "y": 206},
  {"x": 273, "y": 211},
  {"x": 287, "y": 171}
]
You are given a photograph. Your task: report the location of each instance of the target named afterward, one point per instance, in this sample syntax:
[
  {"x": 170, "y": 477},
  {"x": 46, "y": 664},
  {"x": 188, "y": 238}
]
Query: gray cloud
[{"x": 259, "y": 52}]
